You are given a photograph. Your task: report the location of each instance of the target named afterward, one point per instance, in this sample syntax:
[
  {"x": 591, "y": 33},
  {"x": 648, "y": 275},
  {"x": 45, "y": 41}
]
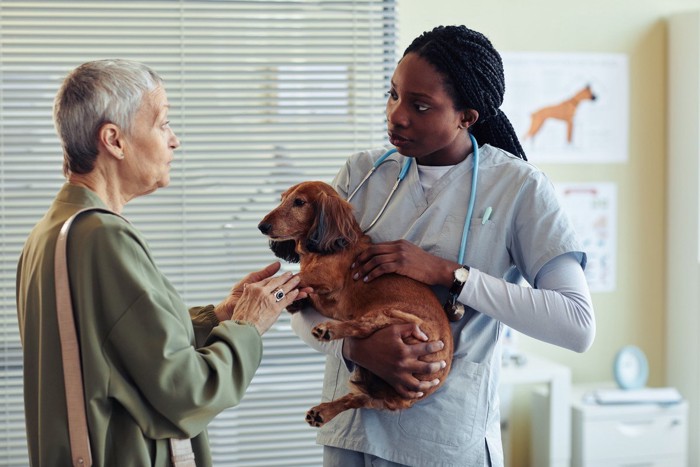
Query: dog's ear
[
  {"x": 285, "y": 250},
  {"x": 335, "y": 226}
]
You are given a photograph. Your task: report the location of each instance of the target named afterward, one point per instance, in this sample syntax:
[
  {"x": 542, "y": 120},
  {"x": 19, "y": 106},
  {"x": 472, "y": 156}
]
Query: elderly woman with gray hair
[{"x": 152, "y": 369}]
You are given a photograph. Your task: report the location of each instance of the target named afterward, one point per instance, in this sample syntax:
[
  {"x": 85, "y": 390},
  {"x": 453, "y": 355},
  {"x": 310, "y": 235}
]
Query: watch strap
[
  {"x": 457, "y": 285},
  {"x": 452, "y": 307}
]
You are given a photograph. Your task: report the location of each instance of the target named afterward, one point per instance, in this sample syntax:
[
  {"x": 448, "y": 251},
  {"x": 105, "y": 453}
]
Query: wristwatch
[
  {"x": 460, "y": 277},
  {"x": 452, "y": 307}
]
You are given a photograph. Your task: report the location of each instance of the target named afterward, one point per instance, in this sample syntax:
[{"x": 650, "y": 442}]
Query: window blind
[{"x": 263, "y": 94}]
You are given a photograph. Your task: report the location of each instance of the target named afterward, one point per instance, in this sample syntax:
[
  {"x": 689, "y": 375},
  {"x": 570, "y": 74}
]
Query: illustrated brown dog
[
  {"x": 313, "y": 225},
  {"x": 563, "y": 111}
]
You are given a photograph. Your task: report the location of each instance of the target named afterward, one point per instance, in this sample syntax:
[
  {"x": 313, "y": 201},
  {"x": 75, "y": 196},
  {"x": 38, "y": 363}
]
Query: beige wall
[{"x": 634, "y": 312}]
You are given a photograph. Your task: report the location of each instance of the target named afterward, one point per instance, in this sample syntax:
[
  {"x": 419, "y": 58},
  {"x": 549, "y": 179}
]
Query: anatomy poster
[
  {"x": 592, "y": 207},
  {"x": 568, "y": 108}
]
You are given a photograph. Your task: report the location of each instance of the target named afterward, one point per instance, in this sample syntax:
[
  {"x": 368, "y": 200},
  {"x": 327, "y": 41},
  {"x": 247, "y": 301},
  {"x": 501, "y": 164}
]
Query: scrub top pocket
[
  {"x": 449, "y": 415},
  {"x": 486, "y": 246}
]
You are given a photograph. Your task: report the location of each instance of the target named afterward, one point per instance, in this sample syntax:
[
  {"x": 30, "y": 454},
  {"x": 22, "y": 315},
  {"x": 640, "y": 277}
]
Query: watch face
[
  {"x": 461, "y": 275},
  {"x": 630, "y": 368}
]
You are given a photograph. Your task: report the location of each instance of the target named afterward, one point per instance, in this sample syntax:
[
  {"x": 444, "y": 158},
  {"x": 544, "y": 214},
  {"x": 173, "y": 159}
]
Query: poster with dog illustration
[{"x": 568, "y": 107}]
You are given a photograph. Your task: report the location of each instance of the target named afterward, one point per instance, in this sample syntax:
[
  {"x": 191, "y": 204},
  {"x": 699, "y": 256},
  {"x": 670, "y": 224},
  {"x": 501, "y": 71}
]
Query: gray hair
[{"x": 95, "y": 93}]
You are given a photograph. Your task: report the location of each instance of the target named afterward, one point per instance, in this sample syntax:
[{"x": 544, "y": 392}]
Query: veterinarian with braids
[
  {"x": 152, "y": 369},
  {"x": 469, "y": 216}
]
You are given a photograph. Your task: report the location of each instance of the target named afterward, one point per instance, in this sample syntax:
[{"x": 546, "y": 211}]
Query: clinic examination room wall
[{"x": 634, "y": 312}]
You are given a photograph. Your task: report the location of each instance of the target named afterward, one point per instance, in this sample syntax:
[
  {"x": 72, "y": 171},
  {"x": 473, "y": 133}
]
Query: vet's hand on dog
[
  {"x": 388, "y": 354},
  {"x": 254, "y": 299},
  {"x": 404, "y": 258}
]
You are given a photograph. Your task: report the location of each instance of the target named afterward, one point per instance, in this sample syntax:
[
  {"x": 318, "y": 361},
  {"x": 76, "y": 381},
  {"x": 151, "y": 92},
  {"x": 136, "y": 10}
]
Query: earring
[{"x": 121, "y": 155}]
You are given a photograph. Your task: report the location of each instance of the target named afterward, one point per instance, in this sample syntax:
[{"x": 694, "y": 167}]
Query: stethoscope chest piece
[{"x": 454, "y": 310}]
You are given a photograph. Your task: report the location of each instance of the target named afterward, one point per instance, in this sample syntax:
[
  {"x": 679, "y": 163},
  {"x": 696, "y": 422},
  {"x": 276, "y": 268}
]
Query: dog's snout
[{"x": 264, "y": 227}]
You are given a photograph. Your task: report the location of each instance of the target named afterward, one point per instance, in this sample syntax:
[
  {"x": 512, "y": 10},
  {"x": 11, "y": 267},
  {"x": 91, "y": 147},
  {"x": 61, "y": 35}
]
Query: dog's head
[{"x": 312, "y": 218}]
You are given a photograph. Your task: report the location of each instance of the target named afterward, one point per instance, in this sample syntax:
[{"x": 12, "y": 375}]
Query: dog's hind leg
[
  {"x": 536, "y": 122},
  {"x": 326, "y": 411},
  {"x": 363, "y": 326}
]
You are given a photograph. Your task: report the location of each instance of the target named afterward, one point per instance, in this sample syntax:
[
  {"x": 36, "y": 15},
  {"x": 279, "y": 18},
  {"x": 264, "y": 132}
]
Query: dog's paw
[
  {"x": 322, "y": 332},
  {"x": 298, "y": 305},
  {"x": 314, "y": 418}
]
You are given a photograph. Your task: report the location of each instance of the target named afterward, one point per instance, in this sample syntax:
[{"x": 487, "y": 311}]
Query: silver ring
[{"x": 279, "y": 294}]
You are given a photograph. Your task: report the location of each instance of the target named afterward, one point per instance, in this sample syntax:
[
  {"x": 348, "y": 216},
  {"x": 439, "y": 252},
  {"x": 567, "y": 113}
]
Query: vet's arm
[
  {"x": 304, "y": 321},
  {"x": 558, "y": 310}
]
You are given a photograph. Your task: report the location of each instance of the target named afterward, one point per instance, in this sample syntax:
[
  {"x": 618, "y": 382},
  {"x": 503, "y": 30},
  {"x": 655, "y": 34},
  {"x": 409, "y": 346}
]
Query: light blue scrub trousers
[{"x": 337, "y": 457}]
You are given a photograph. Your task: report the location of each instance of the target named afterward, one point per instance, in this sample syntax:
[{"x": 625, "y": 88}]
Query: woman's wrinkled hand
[
  {"x": 224, "y": 310},
  {"x": 259, "y": 298}
]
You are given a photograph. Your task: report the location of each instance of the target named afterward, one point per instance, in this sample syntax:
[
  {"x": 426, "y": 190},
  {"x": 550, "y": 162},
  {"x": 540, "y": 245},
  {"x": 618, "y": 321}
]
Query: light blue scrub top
[{"x": 526, "y": 229}]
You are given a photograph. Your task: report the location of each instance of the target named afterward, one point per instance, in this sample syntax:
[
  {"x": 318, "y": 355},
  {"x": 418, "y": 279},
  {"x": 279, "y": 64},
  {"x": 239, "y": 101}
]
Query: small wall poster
[
  {"x": 592, "y": 207},
  {"x": 568, "y": 107}
]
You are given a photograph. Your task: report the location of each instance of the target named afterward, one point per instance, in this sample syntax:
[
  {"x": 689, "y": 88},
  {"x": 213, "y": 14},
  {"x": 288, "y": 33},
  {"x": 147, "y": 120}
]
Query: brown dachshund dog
[{"x": 313, "y": 225}]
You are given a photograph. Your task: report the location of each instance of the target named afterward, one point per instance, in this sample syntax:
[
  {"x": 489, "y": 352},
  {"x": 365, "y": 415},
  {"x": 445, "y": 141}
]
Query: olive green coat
[{"x": 151, "y": 369}]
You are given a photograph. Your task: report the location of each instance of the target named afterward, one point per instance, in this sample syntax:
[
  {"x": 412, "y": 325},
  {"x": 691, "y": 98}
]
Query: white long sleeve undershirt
[
  {"x": 304, "y": 321},
  {"x": 558, "y": 311}
]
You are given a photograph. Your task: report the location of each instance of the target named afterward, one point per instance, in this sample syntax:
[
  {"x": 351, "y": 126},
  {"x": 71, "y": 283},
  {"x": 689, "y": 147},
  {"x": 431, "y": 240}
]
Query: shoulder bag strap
[
  {"x": 181, "y": 452},
  {"x": 181, "y": 449}
]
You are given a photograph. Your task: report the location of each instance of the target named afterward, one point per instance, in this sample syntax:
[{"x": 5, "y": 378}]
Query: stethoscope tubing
[
  {"x": 399, "y": 178},
  {"x": 472, "y": 199}
]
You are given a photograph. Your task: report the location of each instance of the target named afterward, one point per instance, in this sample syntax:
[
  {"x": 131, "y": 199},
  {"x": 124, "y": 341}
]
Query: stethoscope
[{"x": 402, "y": 175}]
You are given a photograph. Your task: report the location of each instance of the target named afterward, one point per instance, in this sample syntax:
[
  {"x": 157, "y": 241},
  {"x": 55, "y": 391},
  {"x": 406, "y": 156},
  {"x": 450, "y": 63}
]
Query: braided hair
[{"x": 472, "y": 71}]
